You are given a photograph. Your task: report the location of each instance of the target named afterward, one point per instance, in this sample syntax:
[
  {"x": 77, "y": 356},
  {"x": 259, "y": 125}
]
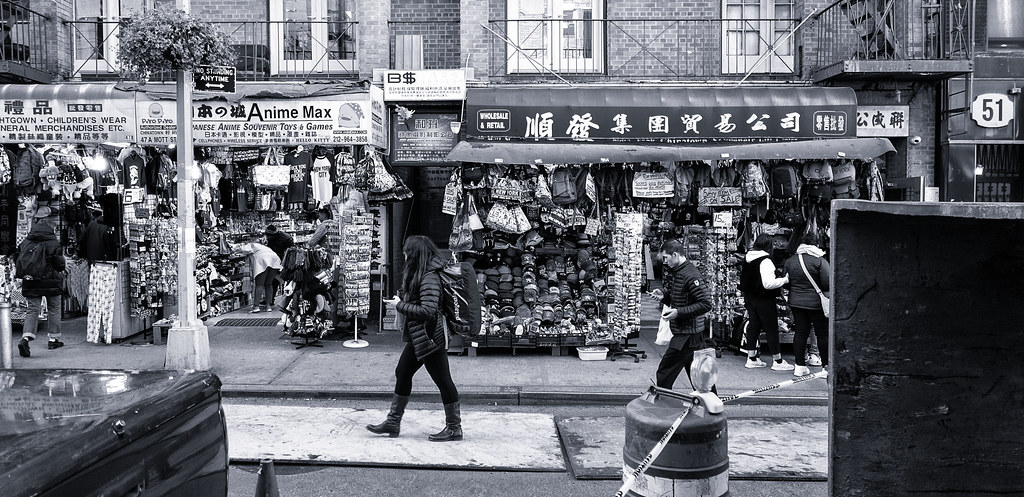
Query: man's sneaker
[
  {"x": 755, "y": 363},
  {"x": 813, "y": 360},
  {"x": 801, "y": 370},
  {"x": 54, "y": 344},
  {"x": 781, "y": 366},
  {"x": 23, "y": 348}
]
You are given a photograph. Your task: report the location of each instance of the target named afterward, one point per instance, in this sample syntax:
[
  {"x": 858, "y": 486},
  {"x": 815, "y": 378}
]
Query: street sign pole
[{"x": 188, "y": 342}]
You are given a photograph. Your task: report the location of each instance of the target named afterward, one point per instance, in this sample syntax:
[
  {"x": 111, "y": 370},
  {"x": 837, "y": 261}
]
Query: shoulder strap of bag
[{"x": 808, "y": 275}]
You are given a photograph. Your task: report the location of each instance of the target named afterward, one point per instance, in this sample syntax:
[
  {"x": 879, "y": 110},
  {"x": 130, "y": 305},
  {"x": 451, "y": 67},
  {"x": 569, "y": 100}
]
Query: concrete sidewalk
[{"x": 261, "y": 361}]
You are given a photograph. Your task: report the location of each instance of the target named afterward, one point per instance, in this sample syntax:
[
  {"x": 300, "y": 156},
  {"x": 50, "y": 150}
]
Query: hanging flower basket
[{"x": 168, "y": 39}]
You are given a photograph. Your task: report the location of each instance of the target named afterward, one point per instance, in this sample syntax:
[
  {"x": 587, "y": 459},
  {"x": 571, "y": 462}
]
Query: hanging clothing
[
  {"x": 102, "y": 284},
  {"x": 320, "y": 180},
  {"x": 299, "y": 164},
  {"x": 78, "y": 281}
]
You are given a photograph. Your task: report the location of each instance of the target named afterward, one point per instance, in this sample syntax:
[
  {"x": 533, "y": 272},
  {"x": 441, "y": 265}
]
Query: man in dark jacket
[
  {"x": 684, "y": 292},
  {"x": 43, "y": 279},
  {"x": 98, "y": 240},
  {"x": 278, "y": 241}
]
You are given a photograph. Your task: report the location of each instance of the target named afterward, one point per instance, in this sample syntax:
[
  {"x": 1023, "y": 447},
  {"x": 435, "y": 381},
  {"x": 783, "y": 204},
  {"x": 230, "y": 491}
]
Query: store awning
[
  {"x": 661, "y": 114},
  {"x": 596, "y": 153}
]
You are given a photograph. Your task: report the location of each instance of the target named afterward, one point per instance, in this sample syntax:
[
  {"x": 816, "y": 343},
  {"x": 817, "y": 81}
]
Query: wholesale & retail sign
[
  {"x": 346, "y": 119},
  {"x": 668, "y": 115},
  {"x": 66, "y": 113}
]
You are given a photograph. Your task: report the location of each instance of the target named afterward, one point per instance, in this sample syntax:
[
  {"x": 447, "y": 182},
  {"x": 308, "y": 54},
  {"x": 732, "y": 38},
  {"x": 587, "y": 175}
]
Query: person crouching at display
[
  {"x": 265, "y": 266},
  {"x": 425, "y": 337}
]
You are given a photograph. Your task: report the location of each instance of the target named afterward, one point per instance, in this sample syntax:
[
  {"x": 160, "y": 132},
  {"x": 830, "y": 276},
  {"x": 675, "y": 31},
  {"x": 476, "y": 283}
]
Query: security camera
[{"x": 915, "y": 139}]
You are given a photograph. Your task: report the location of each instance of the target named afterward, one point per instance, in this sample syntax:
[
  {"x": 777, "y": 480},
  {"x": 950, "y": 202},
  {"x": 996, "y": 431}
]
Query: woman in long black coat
[{"x": 425, "y": 337}]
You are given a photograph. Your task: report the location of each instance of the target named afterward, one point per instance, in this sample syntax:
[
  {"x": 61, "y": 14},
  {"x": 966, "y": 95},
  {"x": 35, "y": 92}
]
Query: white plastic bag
[{"x": 664, "y": 329}]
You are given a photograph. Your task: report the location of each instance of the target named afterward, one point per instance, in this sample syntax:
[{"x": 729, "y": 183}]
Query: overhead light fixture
[{"x": 979, "y": 170}]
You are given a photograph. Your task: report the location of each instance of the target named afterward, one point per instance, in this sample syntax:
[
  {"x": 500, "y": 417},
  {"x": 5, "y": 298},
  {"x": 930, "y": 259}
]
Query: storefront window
[
  {"x": 751, "y": 29},
  {"x": 312, "y": 36},
  {"x": 563, "y": 36}
]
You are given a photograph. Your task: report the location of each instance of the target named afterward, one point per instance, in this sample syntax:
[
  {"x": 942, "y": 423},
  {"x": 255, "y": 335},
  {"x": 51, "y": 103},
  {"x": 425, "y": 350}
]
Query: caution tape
[
  {"x": 655, "y": 452},
  {"x": 660, "y": 446},
  {"x": 781, "y": 384}
]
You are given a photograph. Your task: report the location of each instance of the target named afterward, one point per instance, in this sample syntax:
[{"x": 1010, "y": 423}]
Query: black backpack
[
  {"x": 32, "y": 262},
  {"x": 460, "y": 299}
]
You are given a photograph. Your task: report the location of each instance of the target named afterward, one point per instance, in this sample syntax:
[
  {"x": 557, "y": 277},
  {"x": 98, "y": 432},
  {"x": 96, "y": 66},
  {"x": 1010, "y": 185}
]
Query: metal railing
[
  {"x": 644, "y": 48},
  {"x": 24, "y": 37},
  {"x": 894, "y": 30},
  {"x": 264, "y": 50}
]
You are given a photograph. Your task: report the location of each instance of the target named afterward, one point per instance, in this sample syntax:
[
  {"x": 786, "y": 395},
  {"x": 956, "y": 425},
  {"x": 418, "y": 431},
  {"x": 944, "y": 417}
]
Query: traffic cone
[{"x": 266, "y": 485}]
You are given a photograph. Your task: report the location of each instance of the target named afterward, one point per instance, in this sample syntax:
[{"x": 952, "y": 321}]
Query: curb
[{"x": 490, "y": 396}]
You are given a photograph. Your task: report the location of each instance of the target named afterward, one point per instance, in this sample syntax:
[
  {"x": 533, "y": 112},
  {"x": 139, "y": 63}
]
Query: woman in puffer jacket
[
  {"x": 425, "y": 337},
  {"x": 804, "y": 301}
]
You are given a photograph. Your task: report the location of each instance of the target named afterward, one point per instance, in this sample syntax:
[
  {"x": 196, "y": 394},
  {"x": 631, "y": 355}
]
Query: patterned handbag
[{"x": 273, "y": 173}]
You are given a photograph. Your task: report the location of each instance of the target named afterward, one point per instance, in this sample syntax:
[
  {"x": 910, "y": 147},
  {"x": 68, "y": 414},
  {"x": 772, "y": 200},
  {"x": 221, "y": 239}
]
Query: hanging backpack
[
  {"x": 724, "y": 176},
  {"x": 817, "y": 171},
  {"x": 26, "y": 170},
  {"x": 460, "y": 299},
  {"x": 754, "y": 183},
  {"x": 563, "y": 186},
  {"x": 785, "y": 181},
  {"x": 844, "y": 180},
  {"x": 682, "y": 184}
]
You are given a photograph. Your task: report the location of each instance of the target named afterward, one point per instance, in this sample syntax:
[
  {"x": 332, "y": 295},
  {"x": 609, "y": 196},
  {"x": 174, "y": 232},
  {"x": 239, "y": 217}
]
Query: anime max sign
[
  {"x": 669, "y": 115},
  {"x": 355, "y": 119}
]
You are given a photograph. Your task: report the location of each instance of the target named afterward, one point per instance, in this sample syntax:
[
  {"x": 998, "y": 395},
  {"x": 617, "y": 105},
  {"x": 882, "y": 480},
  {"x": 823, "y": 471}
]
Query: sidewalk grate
[{"x": 248, "y": 322}]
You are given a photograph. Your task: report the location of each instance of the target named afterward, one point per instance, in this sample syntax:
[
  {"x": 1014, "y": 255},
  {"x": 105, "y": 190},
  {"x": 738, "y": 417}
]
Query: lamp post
[{"x": 188, "y": 342}]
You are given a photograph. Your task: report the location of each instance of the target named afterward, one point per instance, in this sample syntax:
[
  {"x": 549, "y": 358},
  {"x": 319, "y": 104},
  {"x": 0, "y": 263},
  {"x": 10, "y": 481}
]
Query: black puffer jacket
[
  {"x": 51, "y": 283},
  {"x": 422, "y": 310},
  {"x": 684, "y": 289}
]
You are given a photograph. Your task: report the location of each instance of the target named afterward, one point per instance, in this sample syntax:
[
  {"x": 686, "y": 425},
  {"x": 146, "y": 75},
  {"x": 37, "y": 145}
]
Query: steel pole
[{"x": 6, "y": 340}]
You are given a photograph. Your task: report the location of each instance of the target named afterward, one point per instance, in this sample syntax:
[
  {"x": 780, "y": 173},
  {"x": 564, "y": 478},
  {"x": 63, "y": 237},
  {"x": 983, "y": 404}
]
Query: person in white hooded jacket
[
  {"x": 804, "y": 301},
  {"x": 761, "y": 288}
]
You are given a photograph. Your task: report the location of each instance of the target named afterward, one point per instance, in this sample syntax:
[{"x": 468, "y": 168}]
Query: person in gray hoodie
[
  {"x": 804, "y": 301},
  {"x": 761, "y": 289}
]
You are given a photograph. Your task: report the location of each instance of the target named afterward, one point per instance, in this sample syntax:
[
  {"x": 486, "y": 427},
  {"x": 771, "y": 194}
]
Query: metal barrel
[{"x": 695, "y": 461}]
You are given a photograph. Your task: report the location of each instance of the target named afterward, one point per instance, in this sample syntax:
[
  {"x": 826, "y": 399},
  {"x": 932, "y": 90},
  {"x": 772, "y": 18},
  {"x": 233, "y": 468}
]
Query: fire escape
[
  {"x": 907, "y": 40},
  {"x": 25, "y": 56}
]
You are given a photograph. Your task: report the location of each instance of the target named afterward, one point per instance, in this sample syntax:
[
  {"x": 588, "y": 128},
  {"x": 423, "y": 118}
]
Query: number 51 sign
[{"x": 992, "y": 110}]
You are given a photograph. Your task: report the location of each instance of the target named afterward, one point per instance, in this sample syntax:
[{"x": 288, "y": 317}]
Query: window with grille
[
  {"x": 564, "y": 36},
  {"x": 999, "y": 173},
  {"x": 756, "y": 36}
]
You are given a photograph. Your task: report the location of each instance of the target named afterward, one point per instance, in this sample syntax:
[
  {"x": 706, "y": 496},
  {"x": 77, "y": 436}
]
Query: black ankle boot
[
  {"x": 391, "y": 425},
  {"x": 452, "y": 425}
]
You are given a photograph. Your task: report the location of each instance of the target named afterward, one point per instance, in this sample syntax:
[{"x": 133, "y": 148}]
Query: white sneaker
[
  {"x": 755, "y": 363},
  {"x": 781, "y": 366},
  {"x": 801, "y": 371},
  {"x": 813, "y": 360}
]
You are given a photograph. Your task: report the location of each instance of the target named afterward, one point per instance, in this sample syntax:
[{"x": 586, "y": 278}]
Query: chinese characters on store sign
[
  {"x": 882, "y": 120},
  {"x": 38, "y": 121},
  {"x": 423, "y": 138},
  {"x": 643, "y": 124}
]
